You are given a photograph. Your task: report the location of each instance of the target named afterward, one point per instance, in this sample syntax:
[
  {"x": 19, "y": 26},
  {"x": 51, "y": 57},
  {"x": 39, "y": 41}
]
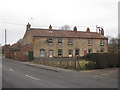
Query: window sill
[
  {"x": 70, "y": 44},
  {"x": 50, "y": 43},
  {"x": 89, "y": 44},
  {"x": 59, "y": 43}
]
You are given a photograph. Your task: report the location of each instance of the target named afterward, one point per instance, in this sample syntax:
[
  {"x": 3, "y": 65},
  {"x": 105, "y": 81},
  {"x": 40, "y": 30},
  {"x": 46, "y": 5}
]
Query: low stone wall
[
  {"x": 57, "y": 62},
  {"x": 70, "y": 63}
]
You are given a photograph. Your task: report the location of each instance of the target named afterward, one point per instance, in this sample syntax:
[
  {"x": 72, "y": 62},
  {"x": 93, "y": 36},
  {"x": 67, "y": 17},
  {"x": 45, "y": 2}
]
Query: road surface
[{"x": 19, "y": 75}]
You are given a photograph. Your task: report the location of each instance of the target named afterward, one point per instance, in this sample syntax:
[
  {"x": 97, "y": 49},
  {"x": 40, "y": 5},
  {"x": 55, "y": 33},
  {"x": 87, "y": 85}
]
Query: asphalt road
[{"x": 19, "y": 75}]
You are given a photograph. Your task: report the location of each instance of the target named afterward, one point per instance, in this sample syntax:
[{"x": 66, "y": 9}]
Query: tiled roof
[{"x": 64, "y": 33}]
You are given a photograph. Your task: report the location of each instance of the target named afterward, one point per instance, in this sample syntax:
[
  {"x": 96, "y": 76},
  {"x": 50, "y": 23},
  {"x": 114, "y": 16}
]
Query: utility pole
[{"x": 5, "y": 36}]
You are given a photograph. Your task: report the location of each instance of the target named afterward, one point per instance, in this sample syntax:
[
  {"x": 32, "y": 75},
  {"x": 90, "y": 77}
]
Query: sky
[{"x": 15, "y": 14}]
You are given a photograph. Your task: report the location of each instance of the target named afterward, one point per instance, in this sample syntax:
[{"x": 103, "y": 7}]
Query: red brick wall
[
  {"x": 7, "y": 53},
  {"x": 18, "y": 55}
]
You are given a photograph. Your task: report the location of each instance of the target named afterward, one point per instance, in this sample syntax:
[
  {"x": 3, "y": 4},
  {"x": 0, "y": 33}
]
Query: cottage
[{"x": 61, "y": 43}]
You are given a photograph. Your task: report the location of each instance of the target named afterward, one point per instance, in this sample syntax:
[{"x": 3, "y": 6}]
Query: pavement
[
  {"x": 56, "y": 69},
  {"x": 18, "y": 74}
]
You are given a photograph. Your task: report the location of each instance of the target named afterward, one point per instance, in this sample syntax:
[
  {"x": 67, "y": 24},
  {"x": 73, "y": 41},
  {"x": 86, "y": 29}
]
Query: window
[
  {"x": 50, "y": 40},
  {"x": 60, "y": 52},
  {"x": 101, "y": 41},
  {"x": 70, "y": 41},
  {"x": 102, "y": 50},
  {"x": 89, "y": 51},
  {"x": 97, "y": 51},
  {"x": 59, "y": 41},
  {"x": 70, "y": 52},
  {"x": 77, "y": 52},
  {"x": 42, "y": 53},
  {"x": 89, "y": 41},
  {"x": 50, "y": 53},
  {"x": 25, "y": 53}
]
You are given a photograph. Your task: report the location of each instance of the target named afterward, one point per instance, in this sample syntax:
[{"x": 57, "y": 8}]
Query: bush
[{"x": 91, "y": 65}]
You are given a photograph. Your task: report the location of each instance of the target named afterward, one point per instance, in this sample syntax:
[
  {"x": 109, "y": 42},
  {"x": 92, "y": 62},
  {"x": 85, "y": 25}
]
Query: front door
[{"x": 30, "y": 55}]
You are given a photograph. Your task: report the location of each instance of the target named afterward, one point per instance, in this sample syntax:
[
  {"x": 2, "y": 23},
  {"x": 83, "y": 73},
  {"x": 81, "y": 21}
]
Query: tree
[
  {"x": 20, "y": 40},
  {"x": 113, "y": 44},
  {"x": 65, "y": 27}
]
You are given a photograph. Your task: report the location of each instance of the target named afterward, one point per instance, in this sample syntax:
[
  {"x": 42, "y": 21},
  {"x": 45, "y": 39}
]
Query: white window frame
[
  {"x": 89, "y": 41},
  {"x": 50, "y": 53},
  {"x": 78, "y": 52},
  {"x": 70, "y": 51},
  {"x": 90, "y": 51},
  {"x": 70, "y": 41},
  {"x": 42, "y": 53},
  {"x": 50, "y": 41},
  {"x": 101, "y": 41},
  {"x": 59, "y": 41},
  {"x": 61, "y": 53}
]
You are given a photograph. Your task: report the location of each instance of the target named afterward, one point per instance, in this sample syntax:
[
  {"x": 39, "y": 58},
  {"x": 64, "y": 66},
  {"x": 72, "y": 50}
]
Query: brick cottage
[{"x": 58, "y": 43}]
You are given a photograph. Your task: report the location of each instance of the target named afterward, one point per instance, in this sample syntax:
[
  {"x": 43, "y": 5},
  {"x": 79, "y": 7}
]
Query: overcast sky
[{"x": 15, "y": 14}]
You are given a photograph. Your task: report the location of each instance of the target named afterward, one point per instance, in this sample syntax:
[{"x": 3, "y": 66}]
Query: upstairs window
[
  {"x": 101, "y": 41},
  {"x": 50, "y": 40},
  {"x": 70, "y": 41},
  {"x": 59, "y": 41},
  {"x": 89, "y": 41},
  {"x": 60, "y": 52},
  {"x": 77, "y": 52}
]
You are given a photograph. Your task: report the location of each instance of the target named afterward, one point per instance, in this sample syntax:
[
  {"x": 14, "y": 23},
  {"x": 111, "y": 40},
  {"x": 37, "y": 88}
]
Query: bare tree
[
  {"x": 65, "y": 27},
  {"x": 114, "y": 43},
  {"x": 20, "y": 40}
]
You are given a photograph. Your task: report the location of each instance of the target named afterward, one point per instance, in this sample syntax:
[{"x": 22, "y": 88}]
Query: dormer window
[
  {"x": 101, "y": 42},
  {"x": 59, "y": 41},
  {"x": 70, "y": 41},
  {"x": 89, "y": 41}
]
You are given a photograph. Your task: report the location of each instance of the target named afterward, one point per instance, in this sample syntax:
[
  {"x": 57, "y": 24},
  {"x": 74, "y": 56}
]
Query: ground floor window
[
  {"x": 42, "y": 53},
  {"x": 77, "y": 51},
  {"x": 102, "y": 50},
  {"x": 70, "y": 52},
  {"x": 89, "y": 51},
  {"x": 50, "y": 53},
  {"x": 60, "y": 52}
]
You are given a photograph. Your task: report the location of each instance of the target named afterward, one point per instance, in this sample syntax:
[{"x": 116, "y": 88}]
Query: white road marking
[
  {"x": 31, "y": 77},
  {"x": 11, "y": 69}
]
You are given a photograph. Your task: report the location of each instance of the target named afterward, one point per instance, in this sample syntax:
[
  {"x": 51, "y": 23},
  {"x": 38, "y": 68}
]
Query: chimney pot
[
  {"x": 88, "y": 30},
  {"x": 75, "y": 28},
  {"x": 50, "y": 27},
  {"x": 102, "y": 31},
  {"x": 28, "y": 26}
]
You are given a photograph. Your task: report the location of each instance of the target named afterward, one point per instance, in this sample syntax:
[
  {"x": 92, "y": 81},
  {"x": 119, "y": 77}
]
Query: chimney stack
[
  {"x": 102, "y": 31},
  {"x": 75, "y": 29},
  {"x": 28, "y": 26},
  {"x": 50, "y": 28},
  {"x": 88, "y": 30}
]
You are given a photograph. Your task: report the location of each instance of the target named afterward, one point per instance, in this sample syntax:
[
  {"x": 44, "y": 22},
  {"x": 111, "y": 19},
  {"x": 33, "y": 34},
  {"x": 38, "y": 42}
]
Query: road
[{"x": 19, "y": 75}]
